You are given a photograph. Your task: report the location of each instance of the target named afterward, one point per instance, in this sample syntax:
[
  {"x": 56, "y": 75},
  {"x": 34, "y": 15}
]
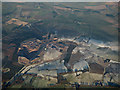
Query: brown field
[
  {"x": 110, "y": 20},
  {"x": 95, "y": 7},
  {"x": 18, "y": 6},
  {"x": 23, "y": 60},
  {"x": 17, "y": 22},
  {"x": 56, "y": 7},
  {"x": 111, "y": 3}
]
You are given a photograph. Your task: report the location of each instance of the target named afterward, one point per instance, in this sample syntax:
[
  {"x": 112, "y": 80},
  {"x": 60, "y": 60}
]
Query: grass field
[{"x": 60, "y": 19}]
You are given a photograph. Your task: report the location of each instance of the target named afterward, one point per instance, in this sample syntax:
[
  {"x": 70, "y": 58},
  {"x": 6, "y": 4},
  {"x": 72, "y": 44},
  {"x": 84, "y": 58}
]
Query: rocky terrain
[
  {"x": 63, "y": 61},
  {"x": 43, "y": 46}
]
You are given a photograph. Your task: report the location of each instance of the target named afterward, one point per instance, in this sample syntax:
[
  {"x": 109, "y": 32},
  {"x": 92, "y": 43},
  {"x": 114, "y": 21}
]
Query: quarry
[{"x": 53, "y": 61}]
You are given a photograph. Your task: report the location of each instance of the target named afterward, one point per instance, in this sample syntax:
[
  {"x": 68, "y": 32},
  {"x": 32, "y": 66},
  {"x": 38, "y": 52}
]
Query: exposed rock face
[
  {"x": 81, "y": 65},
  {"x": 17, "y": 22},
  {"x": 23, "y": 60},
  {"x": 112, "y": 73},
  {"x": 51, "y": 54},
  {"x": 66, "y": 61},
  {"x": 76, "y": 58},
  {"x": 31, "y": 45},
  {"x": 47, "y": 49},
  {"x": 55, "y": 66}
]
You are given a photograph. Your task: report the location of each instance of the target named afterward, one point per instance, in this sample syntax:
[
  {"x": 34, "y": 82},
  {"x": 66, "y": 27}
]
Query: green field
[{"x": 95, "y": 24}]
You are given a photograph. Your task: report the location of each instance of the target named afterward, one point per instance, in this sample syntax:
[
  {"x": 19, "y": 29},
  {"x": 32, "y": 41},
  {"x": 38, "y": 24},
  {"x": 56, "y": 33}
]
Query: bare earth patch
[
  {"x": 56, "y": 7},
  {"x": 95, "y": 7},
  {"x": 17, "y": 22},
  {"x": 110, "y": 21}
]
